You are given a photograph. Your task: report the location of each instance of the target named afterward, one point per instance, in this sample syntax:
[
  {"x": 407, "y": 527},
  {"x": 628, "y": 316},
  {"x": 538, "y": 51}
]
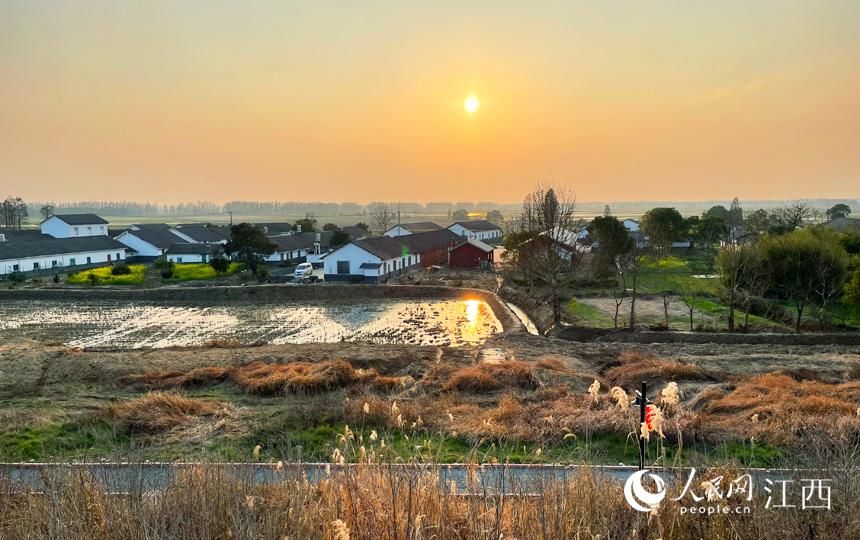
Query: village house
[
  {"x": 472, "y": 254},
  {"x": 275, "y": 228},
  {"x": 199, "y": 233},
  {"x": 479, "y": 229},
  {"x": 64, "y": 243},
  {"x": 374, "y": 260},
  {"x": 148, "y": 242},
  {"x": 193, "y": 253},
  {"x": 300, "y": 247},
  {"x": 74, "y": 225},
  {"x": 405, "y": 229}
]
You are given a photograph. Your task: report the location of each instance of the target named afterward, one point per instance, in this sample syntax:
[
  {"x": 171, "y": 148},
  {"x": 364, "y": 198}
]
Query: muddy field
[{"x": 122, "y": 324}]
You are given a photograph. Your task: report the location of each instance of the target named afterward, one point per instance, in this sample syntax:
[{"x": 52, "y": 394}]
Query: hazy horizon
[{"x": 309, "y": 102}]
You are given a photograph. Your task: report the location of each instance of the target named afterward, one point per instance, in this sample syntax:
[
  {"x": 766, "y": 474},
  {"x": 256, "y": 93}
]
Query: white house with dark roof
[
  {"x": 479, "y": 229},
  {"x": 370, "y": 260},
  {"x": 74, "y": 226},
  {"x": 147, "y": 242},
  {"x": 193, "y": 253},
  {"x": 65, "y": 243},
  {"x": 404, "y": 229}
]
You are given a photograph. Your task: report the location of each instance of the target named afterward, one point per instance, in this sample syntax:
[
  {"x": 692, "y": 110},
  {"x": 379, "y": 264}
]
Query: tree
[
  {"x": 363, "y": 226},
  {"x": 47, "y": 211},
  {"x": 787, "y": 218},
  {"x": 460, "y": 215},
  {"x": 737, "y": 266},
  {"x": 307, "y": 224},
  {"x": 838, "y": 211},
  {"x": 757, "y": 222},
  {"x": 719, "y": 211},
  {"x": 547, "y": 250},
  {"x": 613, "y": 240},
  {"x": 629, "y": 266},
  {"x": 219, "y": 264},
  {"x": 495, "y": 216},
  {"x": 338, "y": 238},
  {"x": 607, "y": 211},
  {"x": 383, "y": 216},
  {"x": 13, "y": 212},
  {"x": 250, "y": 244},
  {"x": 735, "y": 219},
  {"x": 663, "y": 226},
  {"x": 708, "y": 230},
  {"x": 330, "y": 227},
  {"x": 804, "y": 267}
]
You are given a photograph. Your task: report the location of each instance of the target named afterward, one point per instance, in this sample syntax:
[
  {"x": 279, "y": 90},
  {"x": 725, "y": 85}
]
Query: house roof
[
  {"x": 79, "y": 219},
  {"x": 13, "y": 235},
  {"x": 354, "y": 232},
  {"x": 184, "y": 248},
  {"x": 160, "y": 238},
  {"x": 429, "y": 241},
  {"x": 383, "y": 247},
  {"x": 478, "y": 225},
  {"x": 48, "y": 245},
  {"x": 203, "y": 233},
  {"x": 418, "y": 226},
  {"x": 151, "y": 226},
  {"x": 292, "y": 242},
  {"x": 486, "y": 248}
]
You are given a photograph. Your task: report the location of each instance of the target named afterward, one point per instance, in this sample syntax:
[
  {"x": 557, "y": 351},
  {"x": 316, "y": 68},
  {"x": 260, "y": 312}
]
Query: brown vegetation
[
  {"x": 636, "y": 367},
  {"x": 487, "y": 377},
  {"x": 157, "y": 412},
  {"x": 413, "y": 502}
]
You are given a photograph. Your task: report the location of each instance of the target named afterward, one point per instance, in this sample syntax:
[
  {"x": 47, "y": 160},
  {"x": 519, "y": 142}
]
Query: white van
[{"x": 303, "y": 271}]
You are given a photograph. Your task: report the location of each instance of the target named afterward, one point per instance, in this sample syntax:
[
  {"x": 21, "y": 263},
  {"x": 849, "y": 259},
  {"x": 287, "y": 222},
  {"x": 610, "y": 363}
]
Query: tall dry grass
[{"x": 372, "y": 501}]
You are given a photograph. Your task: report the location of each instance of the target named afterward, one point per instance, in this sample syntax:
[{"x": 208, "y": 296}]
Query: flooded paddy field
[{"x": 124, "y": 324}]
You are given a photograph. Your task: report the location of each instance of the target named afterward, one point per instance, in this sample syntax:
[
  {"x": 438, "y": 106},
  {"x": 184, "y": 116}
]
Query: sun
[{"x": 471, "y": 104}]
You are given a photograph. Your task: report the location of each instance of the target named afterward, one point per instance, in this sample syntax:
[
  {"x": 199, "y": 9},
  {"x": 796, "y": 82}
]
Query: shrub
[
  {"x": 157, "y": 412},
  {"x": 17, "y": 277},
  {"x": 297, "y": 377},
  {"x": 492, "y": 376},
  {"x": 120, "y": 269},
  {"x": 219, "y": 264},
  {"x": 636, "y": 367}
]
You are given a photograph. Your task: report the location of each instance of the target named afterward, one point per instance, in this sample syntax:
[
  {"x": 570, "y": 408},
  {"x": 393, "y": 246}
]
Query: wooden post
[{"x": 642, "y": 404}]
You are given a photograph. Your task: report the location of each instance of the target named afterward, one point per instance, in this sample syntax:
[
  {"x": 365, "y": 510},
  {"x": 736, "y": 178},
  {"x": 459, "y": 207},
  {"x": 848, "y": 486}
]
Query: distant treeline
[{"x": 318, "y": 209}]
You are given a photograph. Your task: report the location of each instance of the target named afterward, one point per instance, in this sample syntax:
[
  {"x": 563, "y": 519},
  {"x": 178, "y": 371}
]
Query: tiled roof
[
  {"x": 80, "y": 219},
  {"x": 48, "y": 245},
  {"x": 478, "y": 225}
]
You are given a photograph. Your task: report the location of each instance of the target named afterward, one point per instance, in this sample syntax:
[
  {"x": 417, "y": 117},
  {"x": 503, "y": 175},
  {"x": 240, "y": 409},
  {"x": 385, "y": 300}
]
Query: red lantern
[{"x": 649, "y": 415}]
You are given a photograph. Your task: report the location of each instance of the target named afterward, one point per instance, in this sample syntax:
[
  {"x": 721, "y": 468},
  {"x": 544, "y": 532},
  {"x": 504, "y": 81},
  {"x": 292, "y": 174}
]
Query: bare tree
[
  {"x": 794, "y": 214},
  {"x": 548, "y": 248},
  {"x": 47, "y": 211},
  {"x": 13, "y": 212},
  {"x": 629, "y": 266},
  {"x": 738, "y": 265},
  {"x": 383, "y": 216}
]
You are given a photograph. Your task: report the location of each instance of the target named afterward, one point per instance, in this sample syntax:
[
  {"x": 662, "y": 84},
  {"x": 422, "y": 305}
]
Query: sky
[{"x": 361, "y": 101}]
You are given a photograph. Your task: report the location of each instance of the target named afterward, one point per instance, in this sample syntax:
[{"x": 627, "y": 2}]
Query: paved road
[{"x": 137, "y": 477}]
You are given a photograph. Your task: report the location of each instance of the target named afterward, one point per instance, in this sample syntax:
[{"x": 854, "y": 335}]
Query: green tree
[
  {"x": 219, "y": 264},
  {"x": 738, "y": 267},
  {"x": 328, "y": 227},
  {"x": 804, "y": 267},
  {"x": 307, "y": 224},
  {"x": 719, "y": 211},
  {"x": 709, "y": 230},
  {"x": 758, "y": 222},
  {"x": 663, "y": 226},
  {"x": 495, "y": 216},
  {"x": 250, "y": 244},
  {"x": 338, "y": 238},
  {"x": 460, "y": 215},
  {"x": 838, "y": 211},
  {"x": 613, "y": 240}
]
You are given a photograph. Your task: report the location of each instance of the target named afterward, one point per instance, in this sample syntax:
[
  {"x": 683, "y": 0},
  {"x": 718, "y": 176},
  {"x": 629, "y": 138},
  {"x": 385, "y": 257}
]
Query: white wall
[
  {"x": 474, "y": 235},
  {"x": 58, "y": 228},
  {"x": 186, "y": 258},
  {"x": 7, "y": 266},
  {"x": 143, "y": 249},
  {"x": 352, "y": 253}
]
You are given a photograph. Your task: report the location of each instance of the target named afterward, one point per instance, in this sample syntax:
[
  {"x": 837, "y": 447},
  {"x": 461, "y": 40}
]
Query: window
[
  {"x": 343, "y": 267},
  {"x": 76, "y": 231},
  {"x": 72, "y": 261},
  {"x": 15, "y": 268},
  {"x": 35, "y": 266},
  {"x": 89, "y": 229},
  {"x": 89, "y": 260},
  {"x": 179, "y": 259},
  {"x": 117, "y": 256},
  {"x": 53, "y": 264}
]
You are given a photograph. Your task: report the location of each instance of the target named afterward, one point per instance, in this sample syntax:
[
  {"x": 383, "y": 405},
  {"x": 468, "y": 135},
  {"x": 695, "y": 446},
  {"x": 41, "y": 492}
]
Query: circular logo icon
[{"x": 640, "y": 498}]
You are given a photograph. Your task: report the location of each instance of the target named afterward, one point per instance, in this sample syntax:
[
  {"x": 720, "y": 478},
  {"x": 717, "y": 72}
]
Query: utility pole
[{"x": 231, "y": 217}]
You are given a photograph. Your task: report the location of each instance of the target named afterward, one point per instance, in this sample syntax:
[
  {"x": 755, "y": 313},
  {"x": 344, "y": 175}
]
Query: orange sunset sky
[{"x": 358, "y": 101}]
